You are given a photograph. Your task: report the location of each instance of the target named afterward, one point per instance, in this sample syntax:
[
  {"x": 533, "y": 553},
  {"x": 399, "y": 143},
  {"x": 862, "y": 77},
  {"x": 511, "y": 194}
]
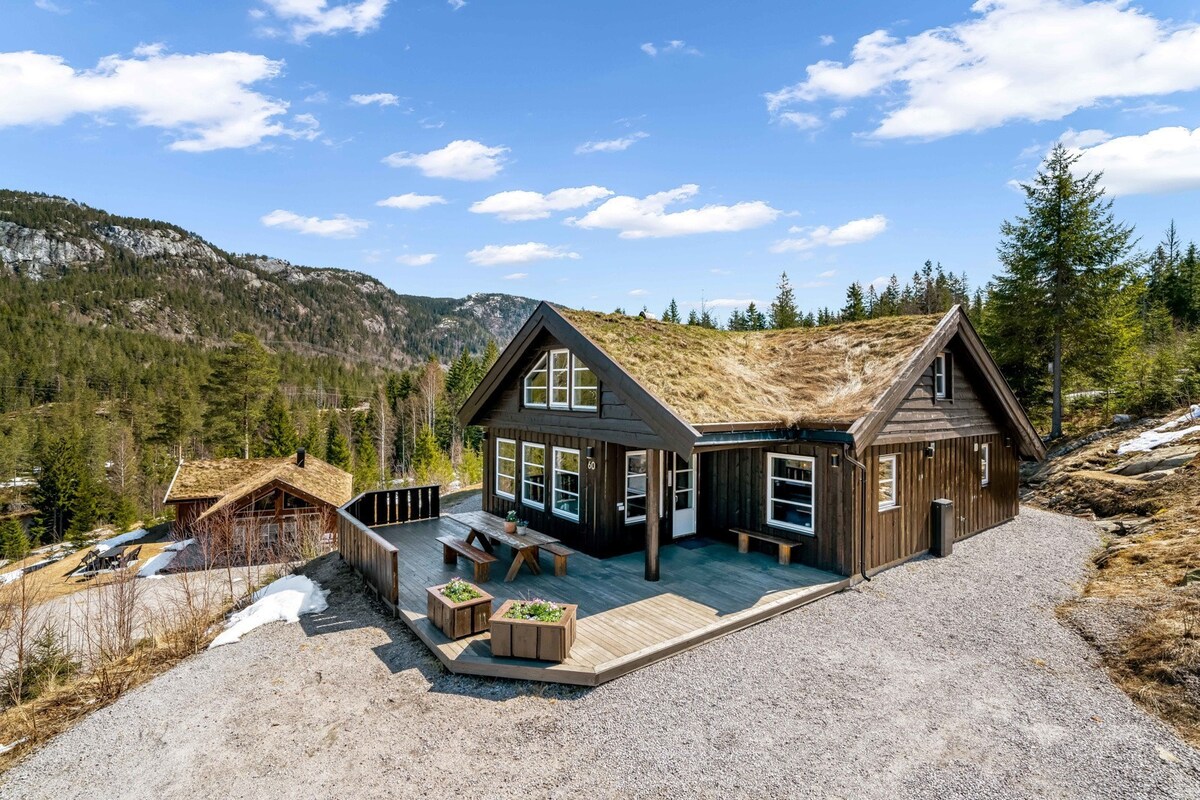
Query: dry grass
[
  {"x": 830, "y": 375},
  {"x": 54, "y": 711},
  {"x": 53, "y": 580},
  {"x": 235, "y": 477},
  {"x": 1141, "y": 606}
]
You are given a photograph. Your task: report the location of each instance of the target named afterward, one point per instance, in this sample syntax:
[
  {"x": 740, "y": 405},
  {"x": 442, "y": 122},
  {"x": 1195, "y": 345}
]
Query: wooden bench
[
  {"x": 452, "y": 548},
  {"x": 560, "y": 553},
  {"x": 785, "y": 545}
]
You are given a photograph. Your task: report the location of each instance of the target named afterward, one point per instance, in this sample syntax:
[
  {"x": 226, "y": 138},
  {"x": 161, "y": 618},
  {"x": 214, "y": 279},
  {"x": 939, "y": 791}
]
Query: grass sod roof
[
  {"x": 826, "y": 376},
  {"x": 226, "y": 479}
]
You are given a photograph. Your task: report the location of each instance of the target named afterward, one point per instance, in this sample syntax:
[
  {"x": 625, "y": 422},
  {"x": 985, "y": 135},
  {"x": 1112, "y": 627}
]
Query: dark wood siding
[
  {"x": 597, "y": 532},
  {"x": 920, "y": 416},
  {"x": 614, "y": 422},
  {"x": 733, "y": 494},
  {"x": 953, "y": 473}
]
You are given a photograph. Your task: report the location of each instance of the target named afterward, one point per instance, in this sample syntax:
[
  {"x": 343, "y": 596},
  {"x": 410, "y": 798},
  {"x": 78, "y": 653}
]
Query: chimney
[{"x": 300, "y": 458}]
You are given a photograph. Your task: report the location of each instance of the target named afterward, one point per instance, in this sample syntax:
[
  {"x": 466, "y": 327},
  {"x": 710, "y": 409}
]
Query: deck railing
[{"x": 376, "y": 559}]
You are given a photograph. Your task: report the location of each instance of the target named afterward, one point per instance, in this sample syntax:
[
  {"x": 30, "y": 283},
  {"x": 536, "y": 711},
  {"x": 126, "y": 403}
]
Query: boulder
[{"x": 1162, "y": 459}]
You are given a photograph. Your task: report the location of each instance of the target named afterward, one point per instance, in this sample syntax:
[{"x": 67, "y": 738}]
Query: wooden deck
[{"x": 625, "y": 622}]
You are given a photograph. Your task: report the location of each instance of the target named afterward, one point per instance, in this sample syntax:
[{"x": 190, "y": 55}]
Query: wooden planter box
[
  {"x": 526, "y": 638},
  {"x": 457, "y": 620}
]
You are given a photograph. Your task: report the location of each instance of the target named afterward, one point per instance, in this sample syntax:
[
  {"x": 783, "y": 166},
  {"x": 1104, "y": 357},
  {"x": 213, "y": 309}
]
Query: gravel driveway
[{"x": 940, "y": 678}]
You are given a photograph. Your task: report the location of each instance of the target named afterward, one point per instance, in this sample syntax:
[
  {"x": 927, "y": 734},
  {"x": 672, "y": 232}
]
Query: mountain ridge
[{"x": 90, "y": 267}]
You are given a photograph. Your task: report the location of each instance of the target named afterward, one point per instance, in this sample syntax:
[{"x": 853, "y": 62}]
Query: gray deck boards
[{"x": 625, "y": 623}]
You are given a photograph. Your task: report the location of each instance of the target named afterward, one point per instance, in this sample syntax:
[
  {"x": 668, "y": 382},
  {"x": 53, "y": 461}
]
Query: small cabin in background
[
  {"x": 270, "y": 499},
  {"x": 617, "y": 433}
]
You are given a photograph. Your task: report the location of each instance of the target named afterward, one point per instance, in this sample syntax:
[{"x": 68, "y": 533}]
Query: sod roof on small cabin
[
  {"x": 225, "y": 479},
  {"x": 829, "y": 375}
]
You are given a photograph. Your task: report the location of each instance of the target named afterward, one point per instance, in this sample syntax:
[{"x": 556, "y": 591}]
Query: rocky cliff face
[{"x": 97, "y": 268}]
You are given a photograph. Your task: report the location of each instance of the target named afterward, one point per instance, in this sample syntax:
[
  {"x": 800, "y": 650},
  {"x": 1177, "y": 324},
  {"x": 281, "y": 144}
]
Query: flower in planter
[
  {"x": 510, "y": 516},
  {"x": 459, "y": 591},
  {"x": 535, "y": 609}
]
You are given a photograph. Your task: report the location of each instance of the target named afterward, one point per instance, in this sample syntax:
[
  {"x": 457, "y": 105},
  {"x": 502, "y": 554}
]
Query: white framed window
[
  {"x": 533, "y": 475},
  {"x": 790, "y": 498},
  {"x": 536, "y": 392},
  {"x": 585, "y": 389},
  {"x": 888, "y": 497},
  {"x": 566, "y": 483},
  {"x": 985, "y": 463},
  {"x": 560, "y": 378},
  {"x": 506, "y": 468},
  {"x": 939, "y": 377},
  {"x": 635, "y": 486}
]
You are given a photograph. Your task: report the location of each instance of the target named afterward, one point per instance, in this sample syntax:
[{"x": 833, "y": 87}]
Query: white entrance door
[{"x": 685, "y": 497}]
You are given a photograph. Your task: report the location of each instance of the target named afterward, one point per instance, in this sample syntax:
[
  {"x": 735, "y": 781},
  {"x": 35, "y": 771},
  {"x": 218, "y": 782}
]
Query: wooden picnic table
[{"x": 488, "y": 530}]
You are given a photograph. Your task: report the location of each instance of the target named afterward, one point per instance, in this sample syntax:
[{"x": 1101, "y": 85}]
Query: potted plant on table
[
  {"x": 458, "y": 608},
  {"x": 510, "y": 522},
  {"x": 536, "y": 629}
]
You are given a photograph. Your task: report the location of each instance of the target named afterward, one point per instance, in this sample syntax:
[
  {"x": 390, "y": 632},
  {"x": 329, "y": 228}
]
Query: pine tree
[
  {"x": 279, "y": 437},
  {"x": 490, "y": 354},
  {"x": 755, "y": 319},
  {"x": 242, "y": 379},
  {"x": 1060, "y": 299},
  {"x": 783, "y": 310},
  {"x": 14, "y": 543},
  {"x": 366, "y": 458},
  {"x": 855, "y": 308},
  {"x": 672, "y": 313},
  {"x": 693, "y": 318},
  {"x": 337, "y": 449}
]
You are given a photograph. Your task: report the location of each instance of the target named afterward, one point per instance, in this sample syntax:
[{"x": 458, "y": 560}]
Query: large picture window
[
  {"x": 790, "y": 500},
  {"x": 635, "y": 486},
  {"x": 887, "y": 482},
  {"x": 536, "y": 391},
  {"x": 533, "y": 475},
  {"x": 506, "y": 468},
  {"x": 566, "y": 483},
  {"x": 560, "y": 378}
]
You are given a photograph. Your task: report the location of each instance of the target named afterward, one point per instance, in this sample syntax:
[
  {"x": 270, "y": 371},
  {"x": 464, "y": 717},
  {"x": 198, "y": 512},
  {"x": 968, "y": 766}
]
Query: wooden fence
[{"x": 376, "y": 559}]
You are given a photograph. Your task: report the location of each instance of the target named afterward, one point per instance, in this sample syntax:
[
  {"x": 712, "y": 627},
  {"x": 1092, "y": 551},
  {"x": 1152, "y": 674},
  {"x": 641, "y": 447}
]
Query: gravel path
[{"x": 941, "y": 678}]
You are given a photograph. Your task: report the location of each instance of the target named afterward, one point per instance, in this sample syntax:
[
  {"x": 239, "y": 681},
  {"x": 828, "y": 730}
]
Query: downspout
[{"x": 862, "y": 548}]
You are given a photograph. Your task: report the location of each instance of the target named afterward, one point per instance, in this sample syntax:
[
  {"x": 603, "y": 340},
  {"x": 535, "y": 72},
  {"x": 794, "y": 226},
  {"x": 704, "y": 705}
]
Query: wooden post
[{"x": 653, "y": 491}]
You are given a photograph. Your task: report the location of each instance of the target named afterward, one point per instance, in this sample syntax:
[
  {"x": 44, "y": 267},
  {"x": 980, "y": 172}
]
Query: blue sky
[{"x": 600, "y": 154}]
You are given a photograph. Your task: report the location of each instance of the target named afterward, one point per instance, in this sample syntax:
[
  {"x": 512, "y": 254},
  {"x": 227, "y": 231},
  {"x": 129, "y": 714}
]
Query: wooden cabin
[
  {"x": 270, "y": 498},
  {"x": 617, "y": 433}
]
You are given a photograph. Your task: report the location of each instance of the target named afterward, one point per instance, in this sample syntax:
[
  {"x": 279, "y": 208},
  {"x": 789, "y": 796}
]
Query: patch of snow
[
  {"x": 4, "y": 748},
  {"x": 9, "y": 577},
  {"x": 284, "y": 600},
  {"x": 157, "y": 564},
  {"x": 117, "y": 541},
  {"x": 177, "y": 546},
  {"x": 1163, "y": 434}
]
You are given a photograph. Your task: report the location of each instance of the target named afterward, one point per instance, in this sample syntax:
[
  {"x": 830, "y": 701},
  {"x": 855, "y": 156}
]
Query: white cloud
[
  {"x": 853, "y": 232},
  {"x": 305, "y": 18},
  {"x": 203, "y": 100},
  {"x": 377, "y": 98},
  {"x": 668, "y": 48},
  {"x": 516, "y": 276},
  {"x": 800, "y": 119},
  {"x": 52, "y": 7},
  {"x": 647, "y": 217},
  {"x": 411, "y": 201},
  {"x": 462, "y": 159},
  {"x": 1151, "y": 107},
  {"x": 1072, "y": 139},
  {"x": 611, "y": 145},
  {"x": 455, "y": 5},
  {"x": 638, "y": 293},
  {"x": 1016, "y": 60},
  {"x": 503, "y": 254},
  {"x": 416, "y": 260},
  {"x": 519, "y": 206},
  {"x": 339, "y": 227},
  {"x": 1163, "y": 160},
  {"x": 826, "y": 40},
  {"x": 829, "y": 273}
]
